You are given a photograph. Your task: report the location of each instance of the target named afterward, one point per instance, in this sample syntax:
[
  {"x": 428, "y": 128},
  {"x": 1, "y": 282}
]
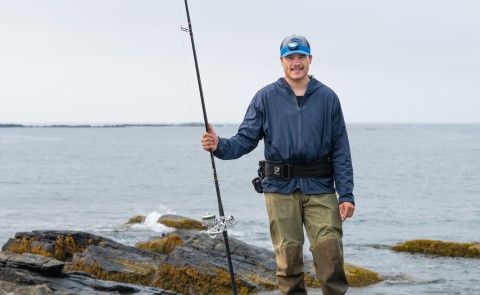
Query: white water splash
[{"x": 151, "y": 224}]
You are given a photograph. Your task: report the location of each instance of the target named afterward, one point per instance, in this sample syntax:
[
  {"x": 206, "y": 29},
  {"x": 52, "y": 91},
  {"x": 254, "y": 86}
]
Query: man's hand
[
  {"x": 210, "y": 140},
  {"x": 346, "y": 210}
]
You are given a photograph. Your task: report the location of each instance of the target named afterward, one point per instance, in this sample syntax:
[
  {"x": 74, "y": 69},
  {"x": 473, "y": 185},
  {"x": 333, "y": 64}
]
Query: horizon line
[{"x": 194, "y": 124}]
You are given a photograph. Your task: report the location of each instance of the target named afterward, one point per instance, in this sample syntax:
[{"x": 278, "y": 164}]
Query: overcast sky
[{"x": 119, "y": 61}]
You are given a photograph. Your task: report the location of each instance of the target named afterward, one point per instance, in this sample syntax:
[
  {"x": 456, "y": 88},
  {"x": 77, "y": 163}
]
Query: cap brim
[{"x": 290, "y": 52}]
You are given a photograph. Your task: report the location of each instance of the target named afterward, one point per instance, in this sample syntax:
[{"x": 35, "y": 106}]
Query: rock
[
  {"x": 186, "y": 261},
  {"x": 163, "y": 246},
  {"x": 12, "y": 288},
  {"x": 83, "y": 255},
  {"x": 180, "y": 222},
  {"x": 24, "y": 281},
  {"x": 440, "y": 248},
  {"x": 202, "y": 259},
  {"x": 46, "y": 265},
  {"x": 173, "y": 217},
  {"x": 474, "y": 249},
  {"x": 360, "y": 277},
  {"x": 171, "y": 220},
  {"x": 136, "y": 219},
  {"x": 116, "y": 262},
  {"x": 61, "y": 245},
  {"x": 200, "y": 265}
]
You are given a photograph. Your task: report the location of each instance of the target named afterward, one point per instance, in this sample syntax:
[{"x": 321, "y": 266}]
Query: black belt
[{"x": 279, "y": 170}]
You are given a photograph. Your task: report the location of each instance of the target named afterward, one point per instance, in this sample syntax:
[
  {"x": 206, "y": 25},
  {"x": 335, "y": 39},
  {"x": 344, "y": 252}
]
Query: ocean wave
[
  {"x": 151, "y": 224},
  {"x": 408, "y": 279}
]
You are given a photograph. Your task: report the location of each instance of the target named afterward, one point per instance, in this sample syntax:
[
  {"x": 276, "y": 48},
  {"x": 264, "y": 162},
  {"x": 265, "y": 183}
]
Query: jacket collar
[{"x": 312, "y": 86}]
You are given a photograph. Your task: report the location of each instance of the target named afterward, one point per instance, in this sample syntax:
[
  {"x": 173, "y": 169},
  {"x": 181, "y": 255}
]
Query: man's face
[{"x": 296, "y": 66}]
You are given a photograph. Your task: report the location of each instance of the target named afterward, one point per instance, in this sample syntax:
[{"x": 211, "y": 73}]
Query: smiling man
[{"x": 307, "y": 163}]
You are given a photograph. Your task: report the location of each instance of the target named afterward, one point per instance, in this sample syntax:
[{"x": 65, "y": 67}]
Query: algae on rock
[
  {"x": 440, "y": 248},
  {"x": 164, "y": 246}
]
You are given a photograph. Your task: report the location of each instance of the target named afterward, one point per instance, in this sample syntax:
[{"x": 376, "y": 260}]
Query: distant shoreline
[
  {"x": 194, "y": 124},
  {"x": 191, "y": 124}
]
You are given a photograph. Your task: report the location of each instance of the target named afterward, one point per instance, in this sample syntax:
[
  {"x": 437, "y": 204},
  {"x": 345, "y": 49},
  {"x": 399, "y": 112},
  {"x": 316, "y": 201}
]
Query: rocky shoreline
[{"x": 186, "y": 261}]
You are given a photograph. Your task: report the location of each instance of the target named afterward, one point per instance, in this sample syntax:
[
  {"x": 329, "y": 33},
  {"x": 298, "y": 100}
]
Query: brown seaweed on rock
[
  {"x": 440, "y": 248},
  {"x": 170, "y": 220}
]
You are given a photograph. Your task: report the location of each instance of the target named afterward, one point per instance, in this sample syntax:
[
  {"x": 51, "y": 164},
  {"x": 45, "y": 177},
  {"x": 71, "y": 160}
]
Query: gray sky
[{"x": 119, "y": 61}]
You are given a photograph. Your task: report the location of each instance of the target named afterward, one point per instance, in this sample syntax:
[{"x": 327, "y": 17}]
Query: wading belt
[{"x": 279, "y": 170}]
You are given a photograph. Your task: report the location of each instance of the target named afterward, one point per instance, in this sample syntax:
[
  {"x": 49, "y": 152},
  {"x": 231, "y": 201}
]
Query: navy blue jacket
[{"x": 296, "y": 135}]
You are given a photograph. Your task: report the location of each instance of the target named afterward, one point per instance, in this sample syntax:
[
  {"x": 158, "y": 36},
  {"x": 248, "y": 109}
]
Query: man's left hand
[{"x": 346, "y": 210}]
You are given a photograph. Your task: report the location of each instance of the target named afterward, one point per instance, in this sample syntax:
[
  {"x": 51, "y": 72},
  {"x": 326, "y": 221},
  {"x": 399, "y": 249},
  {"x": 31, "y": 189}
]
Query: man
[{"x": 307, "y": 161}]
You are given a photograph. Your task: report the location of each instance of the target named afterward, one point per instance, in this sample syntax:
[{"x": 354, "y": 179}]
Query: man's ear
[{"x": 310, "y": 58}]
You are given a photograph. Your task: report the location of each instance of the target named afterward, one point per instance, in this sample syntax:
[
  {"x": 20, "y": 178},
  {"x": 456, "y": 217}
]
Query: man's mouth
[{"x": 296, "y": 69}]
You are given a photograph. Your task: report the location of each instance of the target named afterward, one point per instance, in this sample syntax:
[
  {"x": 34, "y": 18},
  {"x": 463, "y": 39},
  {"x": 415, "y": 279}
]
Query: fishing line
[
  {"x": 214, "y": 226},
  {"x": 186, "y": 60}
]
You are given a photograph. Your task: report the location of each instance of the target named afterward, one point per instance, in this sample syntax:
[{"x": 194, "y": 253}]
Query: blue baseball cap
[{"x": 294, "y": 44}]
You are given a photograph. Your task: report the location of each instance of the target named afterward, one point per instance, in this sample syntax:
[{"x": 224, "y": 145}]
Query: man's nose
[{"x": 296, "y": 60}]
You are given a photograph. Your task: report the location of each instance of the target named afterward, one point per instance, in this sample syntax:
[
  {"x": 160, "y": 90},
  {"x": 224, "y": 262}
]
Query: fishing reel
[{"x": 214, "y": 225}]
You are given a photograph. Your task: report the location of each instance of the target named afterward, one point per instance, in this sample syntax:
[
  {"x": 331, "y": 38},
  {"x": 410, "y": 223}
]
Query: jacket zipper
[{"x": 299, "y": 114}]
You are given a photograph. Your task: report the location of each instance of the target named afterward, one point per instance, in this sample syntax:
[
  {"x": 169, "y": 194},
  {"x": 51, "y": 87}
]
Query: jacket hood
[{"x": 314, "y": 84}]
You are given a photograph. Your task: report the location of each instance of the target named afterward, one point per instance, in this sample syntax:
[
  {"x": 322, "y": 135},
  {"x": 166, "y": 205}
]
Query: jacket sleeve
[
  {"x": 342, "y": 160},
  {"x": 249, "y": 134}
]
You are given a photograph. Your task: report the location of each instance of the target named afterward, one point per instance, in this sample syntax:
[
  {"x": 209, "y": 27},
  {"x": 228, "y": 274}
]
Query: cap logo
[{"x": 292, "y": 45}]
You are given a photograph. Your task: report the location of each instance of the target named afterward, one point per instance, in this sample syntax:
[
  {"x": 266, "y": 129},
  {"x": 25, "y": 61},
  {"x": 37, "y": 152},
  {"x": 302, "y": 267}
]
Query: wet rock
[
  {"x": 7, "y": 288},
  {"x": 171, "y": 220},
  {"x": 136, "y": 219},
  {"x": 46, "y": 265},
  {"x": 116, "y": 262},
  {"x": 361, "y": 277},
  {"x": 186, "y": 261},
  {"x": 440, "y": 248},
  {"x": 173, "y": 217},
  {"x": 61, "y": 245},
  {"x": 180, "y": 222},
  {"x": 23, "y": 274},
  {"x": 82, "y": 255},
  {"x": 202, "y": 258},
  {"x": 474, "y": 249},
  {"x": 163, "y": 246}
]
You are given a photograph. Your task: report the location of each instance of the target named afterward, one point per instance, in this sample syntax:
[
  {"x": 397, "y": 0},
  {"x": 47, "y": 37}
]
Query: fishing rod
[{"x": 214, "y": 226}]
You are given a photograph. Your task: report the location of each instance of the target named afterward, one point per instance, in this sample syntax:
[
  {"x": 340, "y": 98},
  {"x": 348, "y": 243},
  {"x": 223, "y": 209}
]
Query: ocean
[{"x": 412, "y": 181}]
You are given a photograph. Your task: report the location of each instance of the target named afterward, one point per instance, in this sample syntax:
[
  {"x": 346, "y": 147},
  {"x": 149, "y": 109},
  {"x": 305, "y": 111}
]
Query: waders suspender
[{"x": 215, "y": 227}]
